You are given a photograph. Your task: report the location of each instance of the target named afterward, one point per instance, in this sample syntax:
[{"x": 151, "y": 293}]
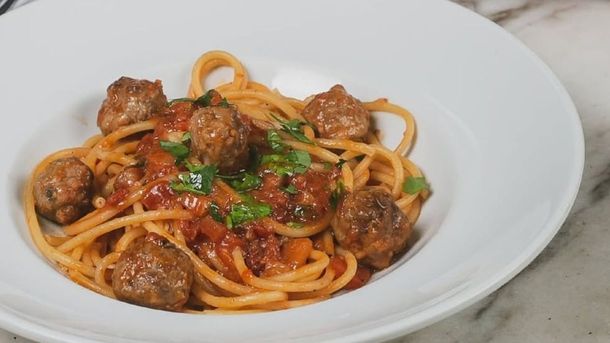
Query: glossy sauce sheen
[{"x": 265, "y": 252}]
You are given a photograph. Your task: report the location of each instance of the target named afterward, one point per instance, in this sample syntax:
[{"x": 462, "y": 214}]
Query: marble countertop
[{"x": 564, "y": 295}]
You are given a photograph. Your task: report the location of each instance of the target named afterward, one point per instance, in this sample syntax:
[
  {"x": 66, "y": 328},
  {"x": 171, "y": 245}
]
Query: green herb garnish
[
  {"x": 186, "y": 137},
  {"x": 340, "y": 163},
  {"x": 293, "y": 128},
  {"x": 178, "y": 150},
  {"x": 290, "y": 189},
  {"x": 224, "y": 103},
  {"x": 295, "y": 162},
  {"x": 414, "y": 185},
  {"x": 246, "y": 182},
  {"x": 215, "y": 212},
  {"x": 275, "y": 141},
  {"x": 198, "y": 180},
  {"x": 294, "y": 225},
  {"x": 336, "y": 194},
  {"x": 246, "y": 211}
]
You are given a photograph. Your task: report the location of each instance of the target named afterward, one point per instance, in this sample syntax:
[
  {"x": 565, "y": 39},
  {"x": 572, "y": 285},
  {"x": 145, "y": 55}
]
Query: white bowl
[{"x": 498, "y": 138}]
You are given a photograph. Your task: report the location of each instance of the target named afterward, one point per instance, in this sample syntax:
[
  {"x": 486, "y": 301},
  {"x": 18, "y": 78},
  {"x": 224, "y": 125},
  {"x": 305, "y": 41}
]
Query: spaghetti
[{"x": 249, "y": 251}]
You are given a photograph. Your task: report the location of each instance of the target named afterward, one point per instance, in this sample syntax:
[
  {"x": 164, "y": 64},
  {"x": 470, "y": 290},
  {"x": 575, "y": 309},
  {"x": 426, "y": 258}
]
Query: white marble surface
[{"x": 564, "y": 295}]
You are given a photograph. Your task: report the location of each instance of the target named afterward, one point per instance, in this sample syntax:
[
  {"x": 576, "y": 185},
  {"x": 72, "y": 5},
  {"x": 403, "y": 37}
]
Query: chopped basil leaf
[
  {"x": 171, "y": 102},
  {"x": 224, "y": 103},
  {"x": 299, "y": 157},
  {"x": 328, "y": 166},
  {"x": 275, "y": 141},
  {"x": 198, "y": 180},
  {"x": 246, "y": 211},
  {"x": 178, "y": 150},
  {"x": 414, "y": 185},
  {"x": 294, "y": 225},
  {"x": 340, "y": 163},
  {"x": 246, "y": 182},
  {"x": 295, "y": 162},
  {"x": 215, "y": 212},
  {"x": 293, "y": 127},
  {"x": 206, "y": 99},
  {"x": 290, "y": 189},
  {"x": 229, "y": 222},
  {"x": 186, "y": 137},
  {"x": 336, "y": 194}
]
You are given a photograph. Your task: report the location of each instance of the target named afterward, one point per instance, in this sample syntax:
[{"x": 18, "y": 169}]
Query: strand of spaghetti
[
  {"x": 112, "y": 138},
  {"x": 251, "y": 111},
  {"x": 321, "y": 261},
  {"x": 115, "y": 157},
  {"x": 364, "y": 165},
  {"x": 346, "y": 144},
  {"x": 267, "y": 97},
  {"x": 309, "y": 132},
  {"x": 100, "y": 271},
  {"x": 323, "y": 154},
  {"x": 253, "y": 85},
  {"x": 255, "y": 298},
  {"x": 92, "y": 141},
  {"x": 86, "y": 259},
  {"x": 362, "y": 180},
  {"x": 382, "y": 105},
  {"x": 305, "y": 231},
  {"x": 129, "y": 237},
  {"x": 349, "y": 155},
  {"x": 382, "y": 177},
  {"x": 95, "y": 253},
  {"x": 399, "y": 173},
  {"x": 128, "y": 147},
  {"x": 380, "y": 167},
  {"x": 250, "y": 279},
  {"x": 283, "y": 305},
  {"x": 200, "y": 266},
  {"x": 348, "y": 177},
  {"x": 32, "y": 219},
  {"x": 414, "y": 211},
  {"x": 80, "y": 279},
  {"x": 93, "y": 233},
  {"x": 104, "y": 214},
  {"x": 55, "y": 240},
  {"x": 340, "y": 282},
  {"x": 240, "y": 76},
  {"x": 297, "y": 104}
]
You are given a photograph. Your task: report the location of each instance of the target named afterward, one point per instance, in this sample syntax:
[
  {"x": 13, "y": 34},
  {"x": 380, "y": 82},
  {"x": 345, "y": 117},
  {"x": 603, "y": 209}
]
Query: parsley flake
[{"x": 414, "y": 185}]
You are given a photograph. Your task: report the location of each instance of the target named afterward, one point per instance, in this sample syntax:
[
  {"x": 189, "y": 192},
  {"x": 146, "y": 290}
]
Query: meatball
[
  {"x": 63, "y": 190},
  {"x": 218, "y": 136},
  {"x": 129, "y": 101},
  {"x": 370, "y": 225},
  {"x": 336, "y": 114},
  {"x": 154, "y": 273},
  {"x": 128, "y": 177}
]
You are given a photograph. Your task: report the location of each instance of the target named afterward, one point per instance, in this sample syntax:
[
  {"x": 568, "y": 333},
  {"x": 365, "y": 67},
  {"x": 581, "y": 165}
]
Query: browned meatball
[
  {"x": 128, "y": 177},
  {"x": 336, "y": 114},
  {"x": 154, "y": 273},
  {"x": 218, "y": 136},
  {"x": 63, "y": 190},
  {"x": 370, "y": 225},
  {"x": 130, "y": 101}
]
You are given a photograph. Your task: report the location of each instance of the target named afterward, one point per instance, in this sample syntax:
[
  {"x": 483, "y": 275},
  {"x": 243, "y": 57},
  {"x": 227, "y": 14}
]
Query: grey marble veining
[{"x": 564, "y": 295}]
